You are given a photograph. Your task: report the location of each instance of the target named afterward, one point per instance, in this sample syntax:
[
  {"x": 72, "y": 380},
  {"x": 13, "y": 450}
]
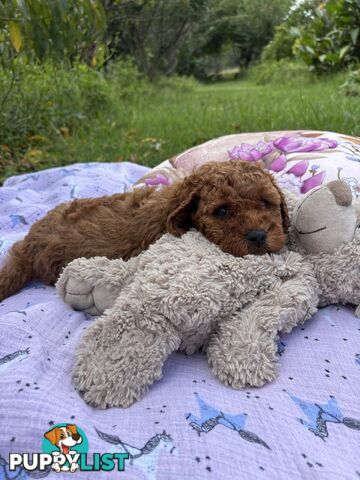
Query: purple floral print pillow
[{"x": 299, "y": 160}]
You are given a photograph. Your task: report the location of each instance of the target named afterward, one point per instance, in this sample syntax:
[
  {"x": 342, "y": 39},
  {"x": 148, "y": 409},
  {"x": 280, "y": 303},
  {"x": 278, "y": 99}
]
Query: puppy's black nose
[
  {"x": 76, "y": 436},
  {"x": 257, "y": 238}
]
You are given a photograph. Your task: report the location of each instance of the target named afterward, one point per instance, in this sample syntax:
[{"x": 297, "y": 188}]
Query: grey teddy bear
[
  {"x": 186, "y": 293},
  {"x": 174, "y": 296}
]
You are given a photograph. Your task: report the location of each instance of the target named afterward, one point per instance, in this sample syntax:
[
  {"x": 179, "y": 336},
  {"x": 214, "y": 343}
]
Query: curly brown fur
[{"x": 122, "y": 225}]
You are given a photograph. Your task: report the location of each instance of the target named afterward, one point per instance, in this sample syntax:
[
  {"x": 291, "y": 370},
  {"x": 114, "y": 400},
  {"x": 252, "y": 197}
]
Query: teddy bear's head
[{"x": 326, "y": 218}]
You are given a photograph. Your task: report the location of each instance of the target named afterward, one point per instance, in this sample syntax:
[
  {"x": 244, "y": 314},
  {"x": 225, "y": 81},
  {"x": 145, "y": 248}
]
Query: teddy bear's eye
[
  {"x": 265, "y": 204},
  {"x": 221, "y": 212}
]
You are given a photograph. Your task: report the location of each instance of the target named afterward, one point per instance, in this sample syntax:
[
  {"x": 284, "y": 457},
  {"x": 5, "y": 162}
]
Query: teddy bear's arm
[
  {"x": 93, "y": 284},
  {"x": 118, "y": 358},
  {"x": 244, "y": 350},
  {"x": 339, "y": 275}
]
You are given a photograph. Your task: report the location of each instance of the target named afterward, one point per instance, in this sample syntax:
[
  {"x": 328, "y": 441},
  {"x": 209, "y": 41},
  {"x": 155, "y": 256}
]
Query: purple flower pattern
[
  {"x": 273, "y": 154},
  {"x": 303, "y": 144},
  {"x": 251, "y": 153},
  {"x": 159, "y": 179}
]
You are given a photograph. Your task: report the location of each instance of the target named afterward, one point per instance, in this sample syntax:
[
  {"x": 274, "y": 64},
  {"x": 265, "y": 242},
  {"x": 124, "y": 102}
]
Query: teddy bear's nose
[{"x": 257, "y": 238}]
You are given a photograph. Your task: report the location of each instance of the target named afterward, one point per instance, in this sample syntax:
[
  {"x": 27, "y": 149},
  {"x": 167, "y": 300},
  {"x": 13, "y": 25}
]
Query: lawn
[{"x": 157, "y": 124}]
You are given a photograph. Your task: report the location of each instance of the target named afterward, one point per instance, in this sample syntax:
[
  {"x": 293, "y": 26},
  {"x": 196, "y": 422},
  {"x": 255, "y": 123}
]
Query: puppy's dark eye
[
  {"x": 265, "y": 204},
  {"x": 221, "y": 212}
]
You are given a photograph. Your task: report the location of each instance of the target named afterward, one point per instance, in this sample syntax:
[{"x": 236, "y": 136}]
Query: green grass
[{"x": 159, "y": 123}]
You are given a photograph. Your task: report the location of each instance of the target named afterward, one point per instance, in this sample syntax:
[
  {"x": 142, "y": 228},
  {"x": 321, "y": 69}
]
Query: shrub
[
  {"x": 331, "y": 39},
  {"x": 351, "y": 86},
  {"x": 43, "y": 99},
  {"x": 283, "y": 71},
  {"x": 281, "y": 45}
]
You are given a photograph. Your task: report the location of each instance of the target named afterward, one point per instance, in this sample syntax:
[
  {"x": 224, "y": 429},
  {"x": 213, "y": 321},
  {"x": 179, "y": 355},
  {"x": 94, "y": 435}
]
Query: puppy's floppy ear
[
  {"x": 185, "y": 204},
  {"x": 283, "y": 206},
  {"x": 284, "y": 212},
  {"x": 52, "y": 435}
]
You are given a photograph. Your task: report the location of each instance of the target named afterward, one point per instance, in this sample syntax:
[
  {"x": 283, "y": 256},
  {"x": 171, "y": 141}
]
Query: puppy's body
[{"x": 224, "y": 201}]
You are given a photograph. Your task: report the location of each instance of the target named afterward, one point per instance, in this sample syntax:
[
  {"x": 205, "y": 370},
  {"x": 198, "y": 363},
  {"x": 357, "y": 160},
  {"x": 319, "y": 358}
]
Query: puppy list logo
[{"x": 65, "y": 449}]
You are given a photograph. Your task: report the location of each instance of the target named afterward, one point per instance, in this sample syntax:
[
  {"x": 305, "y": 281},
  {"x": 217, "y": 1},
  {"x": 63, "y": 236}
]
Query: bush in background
[
  {"x": 351, "y": 86},
  {"x": 282, "y": 71},
  {"x": 331, "y": 39},
  {"x": 49, "y": 100}
]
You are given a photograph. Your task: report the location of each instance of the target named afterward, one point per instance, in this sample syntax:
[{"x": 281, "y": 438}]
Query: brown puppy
[{"x": 236, "y": 205}]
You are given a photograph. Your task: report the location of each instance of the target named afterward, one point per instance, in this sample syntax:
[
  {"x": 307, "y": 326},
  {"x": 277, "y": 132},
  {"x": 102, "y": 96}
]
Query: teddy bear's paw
[
  {"x": 102, "y": 380},
  {"x": 115, "y": 367},
  {"x": 82, "y": 295},
  {"x": 246, "y": 364},
  {"x": 241, "y": 375},
  {"x": 79, "y": 294}
]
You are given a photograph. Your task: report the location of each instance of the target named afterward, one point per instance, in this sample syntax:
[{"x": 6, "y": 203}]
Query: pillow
[{"x": 300, "y": 160}]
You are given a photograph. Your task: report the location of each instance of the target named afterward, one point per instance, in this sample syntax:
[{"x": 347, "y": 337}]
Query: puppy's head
[{"x": 236, "y": 205}]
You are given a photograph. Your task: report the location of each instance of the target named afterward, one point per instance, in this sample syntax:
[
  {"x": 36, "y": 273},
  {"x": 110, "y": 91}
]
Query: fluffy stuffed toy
[
  {"x": 174, "y": 296},
  {"x": 185, "y": 293},
  {"x": 325, "y": 228}
]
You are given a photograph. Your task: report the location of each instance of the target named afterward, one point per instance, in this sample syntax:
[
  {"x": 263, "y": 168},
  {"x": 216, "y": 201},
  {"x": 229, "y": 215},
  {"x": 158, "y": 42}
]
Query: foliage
[
  {"x": 285, "y": 34},
  {"x": 281, "y": 46},
  {"x": 151, "y": 31},
  {"x": 40, "y": 104},
  {"x": 155, "y": 122},
  {"x": 331, "y": 39},
  {"x": 238, "y": 27},
  {"x": 351, "y": 86},
  {"x": 60, "y": 29},
  {"x": 280, "y": 72},
  {"x": 191, "y": 36}
]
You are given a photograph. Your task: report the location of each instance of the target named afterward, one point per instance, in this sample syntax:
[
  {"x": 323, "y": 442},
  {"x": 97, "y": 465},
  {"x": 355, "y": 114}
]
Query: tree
[
  {"x": 151, "y": 31},
  {"x": 331, "y": 39},
  {"x": 244, "y": 27},
  {"x": 61, "y": 29}
]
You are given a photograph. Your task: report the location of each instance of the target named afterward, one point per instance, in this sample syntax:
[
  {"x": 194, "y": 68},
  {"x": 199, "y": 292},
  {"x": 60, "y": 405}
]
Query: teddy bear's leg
[
  {"x": 244, "y": 350},
  {"x": 117, "y": 361},
  {"x": 93, "y": 284},
  {"x": 242, "y": 354}
]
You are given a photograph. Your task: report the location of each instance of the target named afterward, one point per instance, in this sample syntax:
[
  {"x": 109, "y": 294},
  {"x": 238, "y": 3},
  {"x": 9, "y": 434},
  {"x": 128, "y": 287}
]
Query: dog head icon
[{"x": 64, "y": 437}]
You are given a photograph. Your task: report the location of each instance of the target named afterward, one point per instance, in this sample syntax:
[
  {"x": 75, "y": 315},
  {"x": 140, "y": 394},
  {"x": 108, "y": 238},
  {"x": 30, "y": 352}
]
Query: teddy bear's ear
[{"x": 341, "y": 192}]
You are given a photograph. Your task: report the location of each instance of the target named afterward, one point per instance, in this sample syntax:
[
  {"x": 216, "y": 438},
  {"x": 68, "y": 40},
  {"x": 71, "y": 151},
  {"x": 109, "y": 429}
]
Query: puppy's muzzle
[{"x": 256, "y": 238}]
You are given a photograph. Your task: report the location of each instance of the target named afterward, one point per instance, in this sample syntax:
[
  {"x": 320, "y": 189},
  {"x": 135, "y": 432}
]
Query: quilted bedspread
[{"x": 304, "y": 425}]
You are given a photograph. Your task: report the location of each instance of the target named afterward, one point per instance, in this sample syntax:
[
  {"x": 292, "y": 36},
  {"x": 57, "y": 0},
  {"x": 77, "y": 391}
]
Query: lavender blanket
[{"x": 304, "y": 425}]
